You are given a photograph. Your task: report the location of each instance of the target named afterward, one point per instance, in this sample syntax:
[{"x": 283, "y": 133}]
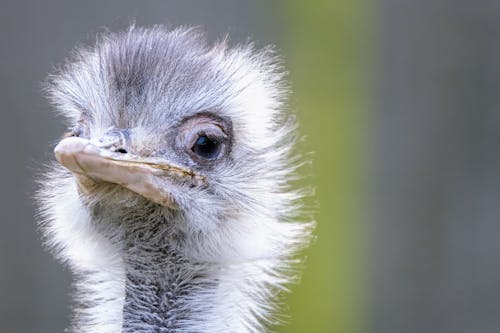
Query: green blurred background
[
  {"x": 328, "y": 51},
  {"x": 398, "y": 101}
]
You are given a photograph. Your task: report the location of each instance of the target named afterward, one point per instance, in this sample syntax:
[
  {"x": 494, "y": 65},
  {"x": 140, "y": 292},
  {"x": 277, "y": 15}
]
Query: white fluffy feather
[{"x": 227, "y": 254}]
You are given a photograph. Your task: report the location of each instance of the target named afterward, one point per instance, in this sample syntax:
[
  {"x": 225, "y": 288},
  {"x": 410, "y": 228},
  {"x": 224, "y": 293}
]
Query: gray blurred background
[
  {"x": 437, "y": 170},
  {"x": 405, "y": 93}
]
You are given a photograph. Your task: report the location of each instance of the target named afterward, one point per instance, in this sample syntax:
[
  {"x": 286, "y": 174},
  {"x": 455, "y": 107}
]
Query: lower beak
[{"x": 143, "y": 176}]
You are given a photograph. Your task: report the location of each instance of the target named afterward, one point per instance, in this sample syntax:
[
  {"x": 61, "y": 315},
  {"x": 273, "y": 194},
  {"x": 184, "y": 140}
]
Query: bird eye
[
  {"x": 205, "y": 138},
  {"x": 207, "y": 148},
  {"x": 74, "y": 132}
]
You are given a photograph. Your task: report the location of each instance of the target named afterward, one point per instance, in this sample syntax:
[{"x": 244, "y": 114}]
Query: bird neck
[
  {"x": 138, "y": 272},
  {"x": 163, "y": 289}
]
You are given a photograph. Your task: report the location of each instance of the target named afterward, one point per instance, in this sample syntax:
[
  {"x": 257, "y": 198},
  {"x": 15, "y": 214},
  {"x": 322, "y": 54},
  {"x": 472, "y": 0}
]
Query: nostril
[{"x": 121, "y": 150}]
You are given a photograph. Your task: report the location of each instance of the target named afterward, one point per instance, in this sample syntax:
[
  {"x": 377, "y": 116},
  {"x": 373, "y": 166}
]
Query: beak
[{"x": 145, "y": 176}]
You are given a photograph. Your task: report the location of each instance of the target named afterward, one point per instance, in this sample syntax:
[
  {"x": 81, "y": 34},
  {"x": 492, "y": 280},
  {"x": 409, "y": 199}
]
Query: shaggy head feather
[{"x": 206, "y": 243}]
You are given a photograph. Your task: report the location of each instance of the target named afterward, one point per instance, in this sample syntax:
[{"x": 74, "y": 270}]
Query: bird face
[
  {"x": 178, "y": 166},
  {"x": 199, "y": 143},
  {"x": 191, "y": 128}
]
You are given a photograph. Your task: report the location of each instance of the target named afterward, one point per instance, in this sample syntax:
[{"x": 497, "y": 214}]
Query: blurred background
[{"x": 399, "y": 103}]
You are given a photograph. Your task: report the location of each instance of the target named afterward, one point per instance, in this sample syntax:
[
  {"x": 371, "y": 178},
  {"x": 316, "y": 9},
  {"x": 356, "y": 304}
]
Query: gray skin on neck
[{"x": 160, "y": 281}]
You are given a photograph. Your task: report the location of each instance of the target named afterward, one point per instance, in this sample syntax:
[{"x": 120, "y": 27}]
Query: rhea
[{"x": 171, "y": 200}]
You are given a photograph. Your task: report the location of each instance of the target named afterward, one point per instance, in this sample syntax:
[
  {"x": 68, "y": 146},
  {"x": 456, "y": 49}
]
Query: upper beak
[{"x": 141, "y": 175}]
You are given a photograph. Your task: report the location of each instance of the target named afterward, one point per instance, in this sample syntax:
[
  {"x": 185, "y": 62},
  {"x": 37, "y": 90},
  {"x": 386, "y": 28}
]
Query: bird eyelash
[{"x": 213, "y": 136}]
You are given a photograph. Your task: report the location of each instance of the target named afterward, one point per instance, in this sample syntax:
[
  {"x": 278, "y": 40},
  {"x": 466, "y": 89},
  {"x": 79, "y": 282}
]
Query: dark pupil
[{"x": 206, "y": 147}]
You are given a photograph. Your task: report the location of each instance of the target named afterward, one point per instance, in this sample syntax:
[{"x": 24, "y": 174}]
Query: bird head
[{"x": 158, "y": 117}]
